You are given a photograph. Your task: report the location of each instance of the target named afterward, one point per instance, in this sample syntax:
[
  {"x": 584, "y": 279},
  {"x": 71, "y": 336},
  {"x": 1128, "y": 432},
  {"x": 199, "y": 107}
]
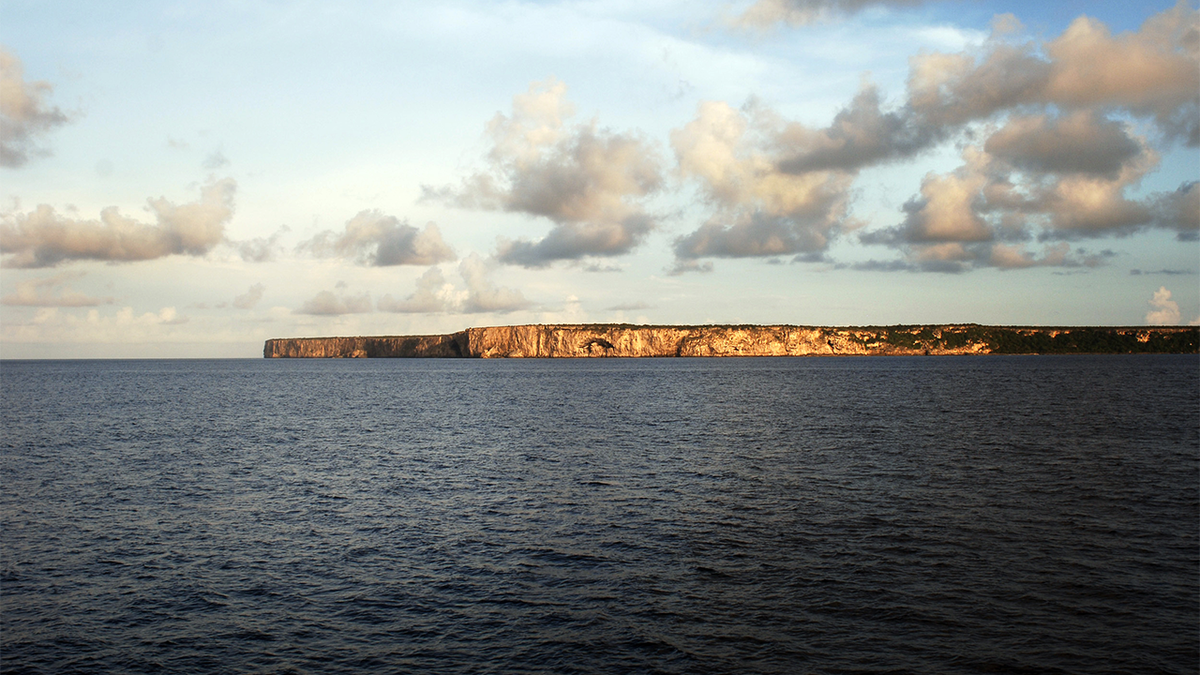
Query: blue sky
[{"x": 191, "y": 178}]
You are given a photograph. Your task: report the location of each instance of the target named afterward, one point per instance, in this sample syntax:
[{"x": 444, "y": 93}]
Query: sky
[{"x": 187, "y": 179}]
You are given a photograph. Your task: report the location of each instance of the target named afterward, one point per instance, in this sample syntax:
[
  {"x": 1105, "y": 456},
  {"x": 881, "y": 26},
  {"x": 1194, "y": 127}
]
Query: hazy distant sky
[{"x": 191, "y": 178}]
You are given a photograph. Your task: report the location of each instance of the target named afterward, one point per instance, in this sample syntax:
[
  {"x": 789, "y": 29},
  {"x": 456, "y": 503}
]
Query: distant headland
[{"x": 625, "y": 340}]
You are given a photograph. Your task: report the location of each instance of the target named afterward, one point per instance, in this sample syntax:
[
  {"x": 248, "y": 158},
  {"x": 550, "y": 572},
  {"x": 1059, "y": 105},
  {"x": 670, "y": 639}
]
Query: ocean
[{"x": 1027, "y": 514}]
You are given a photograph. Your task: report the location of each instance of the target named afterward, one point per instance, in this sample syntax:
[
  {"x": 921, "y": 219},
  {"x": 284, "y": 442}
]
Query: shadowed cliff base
[{"x": 624, "y": 340}]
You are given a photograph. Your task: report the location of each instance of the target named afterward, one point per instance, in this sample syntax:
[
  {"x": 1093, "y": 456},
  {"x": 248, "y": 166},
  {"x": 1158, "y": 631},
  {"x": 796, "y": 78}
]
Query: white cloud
[{"x": 1165, "y": 311}]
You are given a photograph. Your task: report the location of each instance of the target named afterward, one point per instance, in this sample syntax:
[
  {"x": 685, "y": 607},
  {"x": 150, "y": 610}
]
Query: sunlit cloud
[
  {"x": 588, "y": 181},
  {"x": 44, "y": 238},
  {"x": 25, "y": 114},
  {"x": 376, "y": 239},
  {"x": 434, "y": 294},
  {"x": 1164, "y": 311},
  {"x": 1150, "y": 73},
  {"x": 796, "y": 13},
  {"x": 758, "y": 209},
  {"x": 483, "y": 295}
]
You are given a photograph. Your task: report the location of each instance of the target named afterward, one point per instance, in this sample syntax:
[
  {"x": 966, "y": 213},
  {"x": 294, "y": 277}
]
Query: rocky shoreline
[{"x": 630, "y": 341}]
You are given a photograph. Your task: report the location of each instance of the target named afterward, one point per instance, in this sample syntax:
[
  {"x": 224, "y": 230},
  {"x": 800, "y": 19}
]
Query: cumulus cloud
[
  {"x": 949, "y": 205},
  {"x": 379, "y": 240},
  {"x": 591, "y": 183},
  {"x": 261, "y": 249},
  {"x": 1150, "y": 73},
  {"x": 1165, "y": 311},
  {"x": 1053, "y": 178},
  {"x": 44, "y": 238},
  {"x": 169, "y": 317},
  {"x": 758, "y": 209},
  {"x": 1082, "y": 142},
  {"x": 435, "y": 294},
  {"x": 1049, "y": 149},
  {"x": 24, "y": 113},
  {"x": 42, "y": 293},
  {"x": 862, "y": 134},
  {"x": 981, "y": 214},
  {"x": 1070, "y": 178},
  {"x": 1056, "y": 163},
  {"x": 1178, "y": 210},
  {"x": 250, "y": 298},
  {"x": 765, "y": 13},
  {"x": 482, "y": 294},
  {"x": 372, "y": 238},
  {"x": 328, "y": 303}
]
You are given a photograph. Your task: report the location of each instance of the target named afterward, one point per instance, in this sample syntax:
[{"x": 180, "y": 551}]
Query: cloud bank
[
  {"x": 1049, "y": 151},
  {"x": 42, "y": 293},
  {"x": 45, "y": 238}
]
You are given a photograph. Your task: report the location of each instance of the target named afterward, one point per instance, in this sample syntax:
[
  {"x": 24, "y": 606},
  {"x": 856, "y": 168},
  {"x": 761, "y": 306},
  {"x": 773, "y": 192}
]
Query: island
[{"x": 625, "y": 340}]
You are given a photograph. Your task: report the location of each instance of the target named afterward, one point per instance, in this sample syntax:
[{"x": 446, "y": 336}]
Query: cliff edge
[{"x": 622, "y": 340}]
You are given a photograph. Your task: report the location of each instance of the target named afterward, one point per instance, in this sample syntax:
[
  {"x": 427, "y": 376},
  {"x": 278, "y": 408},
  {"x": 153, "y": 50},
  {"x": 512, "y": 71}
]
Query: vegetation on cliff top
[{"x": 1040, "y": 340}]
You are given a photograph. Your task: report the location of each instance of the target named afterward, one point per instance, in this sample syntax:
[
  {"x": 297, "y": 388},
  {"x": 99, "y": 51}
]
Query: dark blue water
[{"x": 836, "y": 515}]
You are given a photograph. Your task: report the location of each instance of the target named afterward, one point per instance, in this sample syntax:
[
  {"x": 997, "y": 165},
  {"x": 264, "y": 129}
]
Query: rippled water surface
[{"x": 823, "y": 515}]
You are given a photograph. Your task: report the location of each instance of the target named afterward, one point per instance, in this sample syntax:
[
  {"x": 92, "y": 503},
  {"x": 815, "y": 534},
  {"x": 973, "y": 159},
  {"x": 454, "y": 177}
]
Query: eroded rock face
[
  {"x": 539, "y": 341},
  {"x": 404, "y": 346},
  {"x": 599, "y": 340}
]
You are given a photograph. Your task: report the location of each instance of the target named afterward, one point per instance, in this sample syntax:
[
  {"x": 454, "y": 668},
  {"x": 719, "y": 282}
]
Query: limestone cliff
[
  {"x": 621, "y": 340},
  {"x": 401, "y": 346}
]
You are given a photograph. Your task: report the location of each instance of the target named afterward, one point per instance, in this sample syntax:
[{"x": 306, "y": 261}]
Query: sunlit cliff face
[{"x": 600, "y": 340}]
